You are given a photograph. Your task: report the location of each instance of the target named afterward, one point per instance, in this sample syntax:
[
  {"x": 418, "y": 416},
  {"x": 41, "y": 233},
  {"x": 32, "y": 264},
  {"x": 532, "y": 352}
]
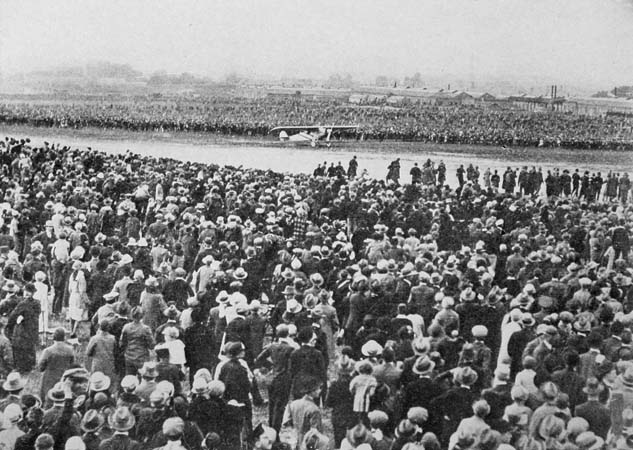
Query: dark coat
[
  {"x": 598, "y": 416},
  {"x": 24, "y": 335},
  {"x": 420, "y": 392},
  {"x": 54, "y": 361},
  {"x": 307, "y": 361}
]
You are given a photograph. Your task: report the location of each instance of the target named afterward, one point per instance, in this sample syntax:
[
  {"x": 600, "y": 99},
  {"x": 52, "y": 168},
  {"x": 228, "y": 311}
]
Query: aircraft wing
[{"x": 313, "y": 128}]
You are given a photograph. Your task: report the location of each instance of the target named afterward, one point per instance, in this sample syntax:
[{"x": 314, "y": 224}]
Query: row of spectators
[{"x": 458, "y": 124}]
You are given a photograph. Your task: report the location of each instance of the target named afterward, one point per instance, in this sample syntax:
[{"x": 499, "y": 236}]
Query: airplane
[{"x": 311, "y": 134}]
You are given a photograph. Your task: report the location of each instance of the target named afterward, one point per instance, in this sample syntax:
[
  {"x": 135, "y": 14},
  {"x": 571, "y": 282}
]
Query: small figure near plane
[{"x": 309, "y": 134}]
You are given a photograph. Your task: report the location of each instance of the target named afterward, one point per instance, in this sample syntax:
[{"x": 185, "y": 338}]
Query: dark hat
[
  {"x": 233, "y": 349},
  {"x": 423, "y": 366},
  {"x": 92, "y": 421},
  {"x": 358, "y": 435}
]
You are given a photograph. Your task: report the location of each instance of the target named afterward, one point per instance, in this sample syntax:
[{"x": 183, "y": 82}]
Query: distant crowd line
[{"x": 457, "y": 124}]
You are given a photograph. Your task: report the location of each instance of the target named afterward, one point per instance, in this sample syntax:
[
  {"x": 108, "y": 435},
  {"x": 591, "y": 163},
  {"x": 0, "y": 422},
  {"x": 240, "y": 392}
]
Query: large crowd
[
  {"x": 455, "y": 124},
  {"x": 154, "y": 303}
]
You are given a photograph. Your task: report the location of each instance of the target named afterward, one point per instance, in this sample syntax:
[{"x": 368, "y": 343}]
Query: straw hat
[
  {"x": 99, "y": 382},
  {"x": 14, "y": 382}
]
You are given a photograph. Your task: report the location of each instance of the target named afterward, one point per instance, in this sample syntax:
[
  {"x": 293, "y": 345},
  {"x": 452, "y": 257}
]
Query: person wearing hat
[
  {"x": 306, "y": 360},
  {"x": 203, "y": 276},
  {"x": 593, "y": 410},
  {"x": 91, "y": 425},
  {"x": 277, "y": 355},
  {"x": 135, "y": 343},
  {"x": 423, "y": 388},
  {"x": 107, "y": 310},
  {"x": 303, "y": 413},
  {"x": 177, "y": 290},
  {"x": 500, "y": 394},
  {"x": 78, "y": 296},
  {"x": 123, "y": 282},
  {"x": 340, "y": 399},
  {"x": 236, "y": 376},
  {"x": 55, "y": 360},
  {"x": 23, "y": 330},
  {"x": 519, "y": 341},
  {"x": 101, "y": 351},
  {"x": 454, "y": 405},
  {"x": 173, "y": 315},
  {"x": 152, "y": 304},
  {"x": 11, "y": 432},
  {"x": 121, "y": 421},
  {"x": 569, "y": 380},
  {"x": 482, "y": 354},
  {"x": 32, "y": 423},
  {"x": 549, "y": 393},
  {"x": 167, "y": 370},
  {"x": 475, "y": 425},
  {"x": 357, "y": 437},
  {"x": 173, "y": 429},
  {"x": 56, "y": 419},
  {"x": 13, "y": 386}
]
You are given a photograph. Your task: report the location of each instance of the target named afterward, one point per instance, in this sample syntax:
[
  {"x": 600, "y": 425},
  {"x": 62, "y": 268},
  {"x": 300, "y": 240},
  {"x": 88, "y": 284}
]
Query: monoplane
[{"x": 310, "y": 134}]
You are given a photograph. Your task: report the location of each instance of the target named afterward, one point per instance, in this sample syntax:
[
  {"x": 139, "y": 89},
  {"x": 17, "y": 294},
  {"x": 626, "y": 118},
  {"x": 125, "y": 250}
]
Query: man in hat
[
  {"x": 587, "y": 366},
  {"x": 13, "y": 386},
  {"x": 307, "y": 360},
  {"x": 423, "y": 389},
  {"x": 91, "y": 425},
  {"x": 303, "y": 413},
  {"x": 54, "y": 361},
  {"x": 447, "y": 410},
  {"x": 569, "y": 380},
  {"x": 23, "y": 329},
  {"x": 121, "y": 421},
  {"x": 482, "y": 355},
  {"x": 236, "y": 376},
  {"x": 277, "y": 356},
  {"x": 518, "y": 341},
  {"x": 178, "y": 290},
  {"x": 167, "y": 371},
  {"x": 136, "y": 342},
  {"x": 61, "y": 420},
  {"x": 593, "y": 410}
]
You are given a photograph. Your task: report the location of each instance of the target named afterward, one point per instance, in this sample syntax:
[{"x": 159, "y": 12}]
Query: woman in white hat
[{"x": 78, "y": 296}]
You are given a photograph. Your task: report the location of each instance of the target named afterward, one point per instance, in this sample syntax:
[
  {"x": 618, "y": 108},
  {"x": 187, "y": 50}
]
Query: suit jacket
[
  {"x": 498, "y": 398},
  {"x": 307, "y": 360},
  {"x": 598, "y": 416},
  {"x": 420, "y": 392},
  {"x": 571, "y": 383},
  {"x": 587, "y": 366},
  {"x": 120, "y": 442},
  {"x": 54, "y": 361},
  {"x": 517, "y": 343}
]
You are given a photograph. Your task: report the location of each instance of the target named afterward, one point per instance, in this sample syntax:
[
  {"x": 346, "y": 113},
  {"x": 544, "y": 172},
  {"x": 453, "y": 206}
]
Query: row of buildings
[{"x": 591, "y": 106}]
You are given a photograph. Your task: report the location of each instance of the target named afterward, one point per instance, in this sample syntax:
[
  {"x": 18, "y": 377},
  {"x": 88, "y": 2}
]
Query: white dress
[
  {"x": 77, "y": 291},
  {"x": 42, "y": 294}
]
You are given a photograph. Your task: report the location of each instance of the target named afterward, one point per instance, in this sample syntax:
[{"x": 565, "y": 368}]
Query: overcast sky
[{"x": 567, "y": 40}]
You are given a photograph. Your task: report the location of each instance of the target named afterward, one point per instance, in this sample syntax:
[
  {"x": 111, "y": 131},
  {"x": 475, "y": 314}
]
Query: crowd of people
[
  {"x": 454, "y": 124},
  {"x": 155, "y": 303}
]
